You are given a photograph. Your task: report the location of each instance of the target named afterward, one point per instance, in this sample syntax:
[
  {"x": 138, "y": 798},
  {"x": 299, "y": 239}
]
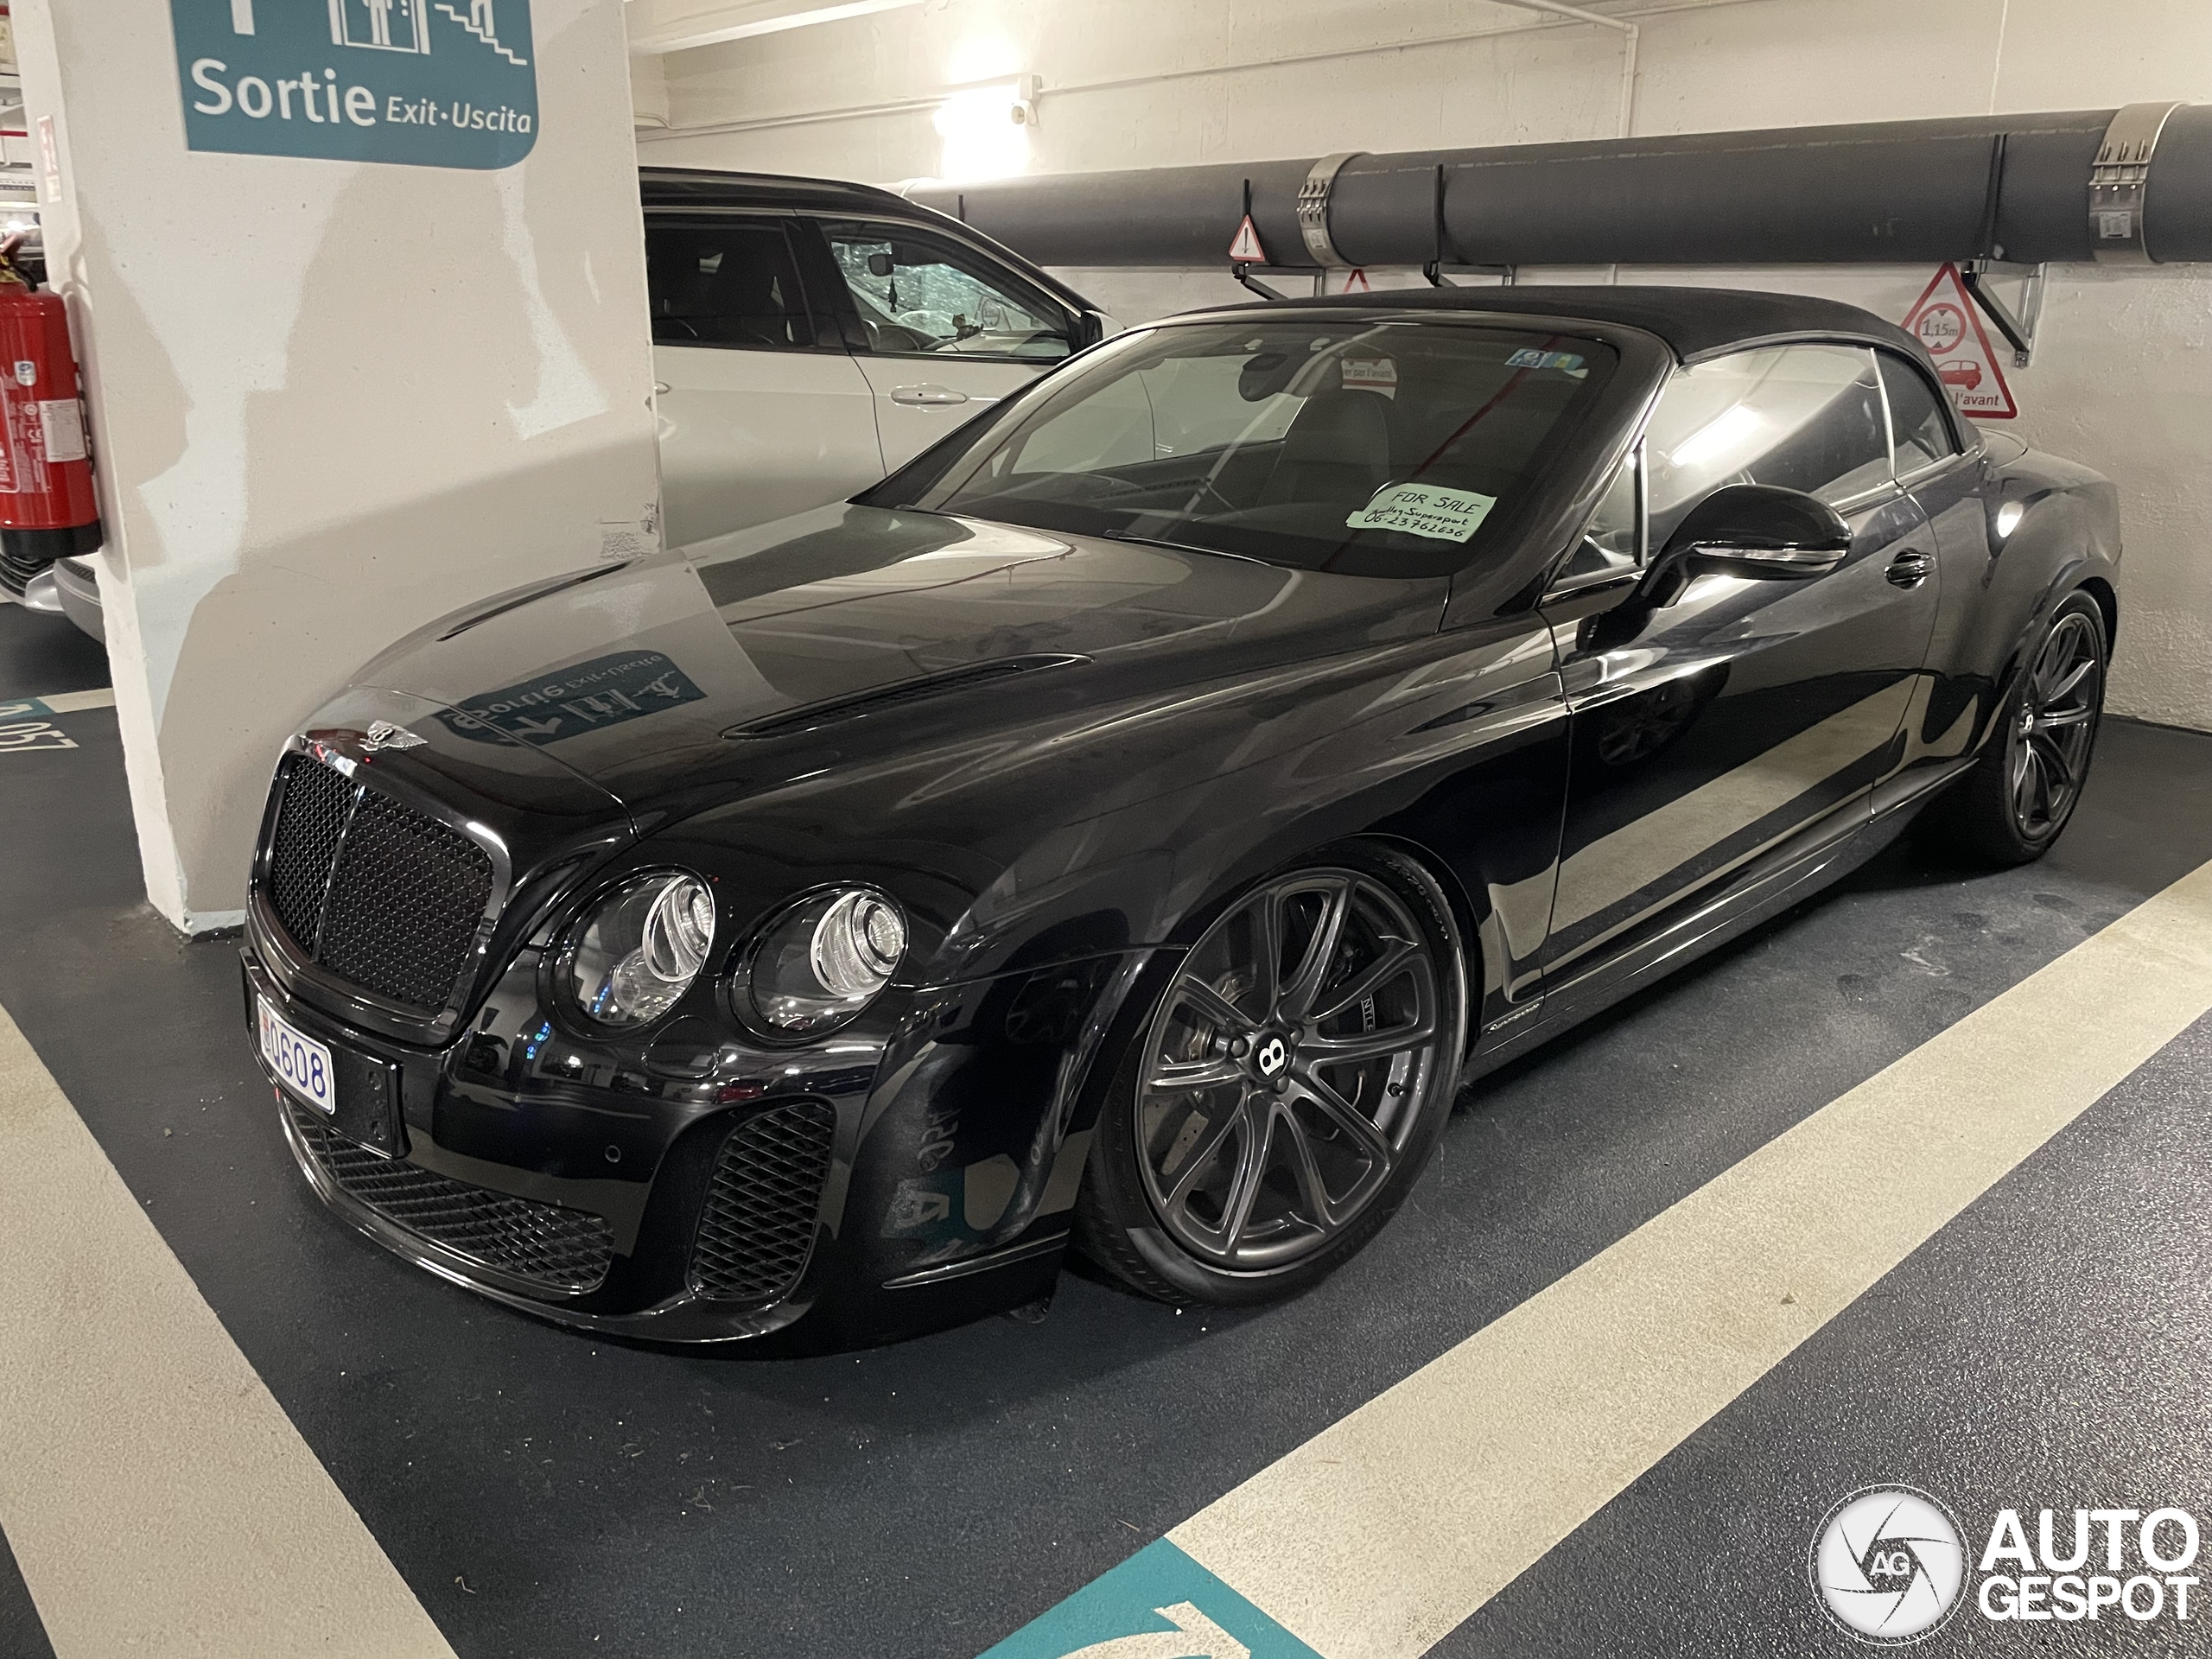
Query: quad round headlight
[
  {"x": 821, "y": 961},
  {"x": 636, "y": 953}
]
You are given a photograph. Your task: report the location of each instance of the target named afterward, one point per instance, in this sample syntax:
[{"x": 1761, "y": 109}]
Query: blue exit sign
[{"x": 423, "y": 83}]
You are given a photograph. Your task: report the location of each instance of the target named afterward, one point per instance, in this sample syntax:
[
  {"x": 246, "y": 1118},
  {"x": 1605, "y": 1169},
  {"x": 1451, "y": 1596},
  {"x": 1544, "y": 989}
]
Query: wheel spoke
[
  {"x": 1304, "y": 984},
  {"x": 1321, "y": 1208},
  {"x": 1202, "y": 1154},
  {"x": 2064, "y": 717},
  {"x": 2066, "y": 687},
  {"x": 1368, "y": 1045},
  {"x": 1392, "y": 963},
  {"x": 1259, "y": 1116},
  {"x": 1342, "y": 1113},
  {"x": 1197, "y": 994},
  {"x": 2041, "y": 775},
  {"x": 1267, "y": 946},
  {"x": 2057, "y": 769},
  {"x": 2024, "y": 769},
  {"x": 1170, "y": 1076}
]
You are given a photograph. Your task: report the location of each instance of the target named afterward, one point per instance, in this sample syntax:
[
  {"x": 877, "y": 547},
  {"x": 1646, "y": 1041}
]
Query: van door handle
[
  {"x": 1909, "y": 569},
  {"x": 930, "y": 394}
]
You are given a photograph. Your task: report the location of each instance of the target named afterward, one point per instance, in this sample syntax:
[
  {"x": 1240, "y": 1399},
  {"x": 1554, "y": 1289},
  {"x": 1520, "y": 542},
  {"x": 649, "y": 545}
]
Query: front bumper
[{"x": 916, "y": 1170}]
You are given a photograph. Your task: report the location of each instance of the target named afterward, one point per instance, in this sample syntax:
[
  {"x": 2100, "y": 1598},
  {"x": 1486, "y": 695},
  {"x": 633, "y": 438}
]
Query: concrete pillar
[{"x": 350, "y": 365}]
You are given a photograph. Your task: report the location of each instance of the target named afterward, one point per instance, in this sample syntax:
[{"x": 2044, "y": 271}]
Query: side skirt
[{"x": 1815, "y": 858}]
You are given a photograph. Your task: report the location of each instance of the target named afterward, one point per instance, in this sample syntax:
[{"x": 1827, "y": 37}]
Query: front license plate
[{"x": 300, "y": 1064}]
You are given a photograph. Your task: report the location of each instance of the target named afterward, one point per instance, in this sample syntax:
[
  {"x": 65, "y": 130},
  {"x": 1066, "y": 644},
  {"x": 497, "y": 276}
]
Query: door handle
[
  {"x": 660, "y": 388},
  {"x": 1909, "y": 569},
  {"x": 929, "y": 395}
]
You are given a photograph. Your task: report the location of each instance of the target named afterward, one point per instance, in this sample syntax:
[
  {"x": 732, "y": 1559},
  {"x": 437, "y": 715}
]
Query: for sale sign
[{"x": 1946, "y": 323}]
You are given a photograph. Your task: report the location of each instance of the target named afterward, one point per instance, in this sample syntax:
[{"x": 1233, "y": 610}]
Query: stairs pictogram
[{"x": 486, "y": 36}]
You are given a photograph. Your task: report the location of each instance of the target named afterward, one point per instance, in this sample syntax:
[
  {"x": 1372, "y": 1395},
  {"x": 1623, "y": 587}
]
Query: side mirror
[
  {"x": 1091, "y": 327},
  {"x": 1750, "y": 529}
]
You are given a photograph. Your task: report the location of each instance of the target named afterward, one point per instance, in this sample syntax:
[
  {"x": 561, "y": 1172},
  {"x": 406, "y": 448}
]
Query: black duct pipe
[{"x": 2013, "y": 187}]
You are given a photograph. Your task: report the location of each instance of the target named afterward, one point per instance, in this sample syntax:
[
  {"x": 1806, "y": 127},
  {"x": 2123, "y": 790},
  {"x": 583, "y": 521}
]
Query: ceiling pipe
[{"x": 2020, "y": 188}]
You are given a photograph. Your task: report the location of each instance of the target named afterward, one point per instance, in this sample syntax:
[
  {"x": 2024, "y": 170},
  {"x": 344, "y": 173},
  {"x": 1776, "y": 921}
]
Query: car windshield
[{"x": 1380, "y": 447}]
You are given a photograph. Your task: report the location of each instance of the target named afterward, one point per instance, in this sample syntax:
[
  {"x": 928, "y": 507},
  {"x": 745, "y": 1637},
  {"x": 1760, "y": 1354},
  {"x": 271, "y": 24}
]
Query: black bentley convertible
[{"x": 1132, "y": 823}]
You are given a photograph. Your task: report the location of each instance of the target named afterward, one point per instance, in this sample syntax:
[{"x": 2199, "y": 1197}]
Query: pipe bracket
[
  {"x": 1313, "y": 209},
  {"x": 2120, "y": 182},
  {"x": 2017, "y": 325}
]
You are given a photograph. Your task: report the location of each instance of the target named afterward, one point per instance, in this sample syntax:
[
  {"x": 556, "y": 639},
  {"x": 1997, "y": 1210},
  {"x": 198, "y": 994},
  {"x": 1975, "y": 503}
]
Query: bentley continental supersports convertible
[{"x": 1131, "y": 823}]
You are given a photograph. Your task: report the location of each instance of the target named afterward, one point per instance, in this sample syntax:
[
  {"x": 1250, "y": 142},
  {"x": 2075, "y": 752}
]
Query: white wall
[
  {"x": 331, "y": 399},
  {"x": 2121, "y": 371}
]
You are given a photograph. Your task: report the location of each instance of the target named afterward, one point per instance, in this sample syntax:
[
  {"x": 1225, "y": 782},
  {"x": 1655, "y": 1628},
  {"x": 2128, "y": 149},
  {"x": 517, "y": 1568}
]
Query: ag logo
[
  {"x": 1273, "y": 1056},
  {"x": 1887, "y": 1564}
]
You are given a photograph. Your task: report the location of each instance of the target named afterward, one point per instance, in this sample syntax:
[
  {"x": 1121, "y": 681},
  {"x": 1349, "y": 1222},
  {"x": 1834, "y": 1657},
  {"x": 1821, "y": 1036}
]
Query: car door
[
  {"x": 1947, "y": 478},
  {"x": 940, "y": 330},
  {"x": 761, "y": 410},
  {"x": 1746, "y": 712}
]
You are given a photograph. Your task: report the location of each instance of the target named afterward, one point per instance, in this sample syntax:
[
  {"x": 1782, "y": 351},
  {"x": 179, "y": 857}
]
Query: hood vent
[{"x": 814, "y": 716}]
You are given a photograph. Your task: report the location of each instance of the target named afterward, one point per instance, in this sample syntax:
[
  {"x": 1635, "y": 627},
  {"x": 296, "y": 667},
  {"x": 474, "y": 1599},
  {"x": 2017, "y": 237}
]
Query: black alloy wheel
[
  {"x": 2011, "y": 807},
  {"x": 1287, "y": 1088},
  {"x": 2048, "y": 746}
]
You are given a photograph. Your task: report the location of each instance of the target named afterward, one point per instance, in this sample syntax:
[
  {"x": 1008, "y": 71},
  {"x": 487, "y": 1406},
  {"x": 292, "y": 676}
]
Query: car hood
[{"x": 634, "y": 675}]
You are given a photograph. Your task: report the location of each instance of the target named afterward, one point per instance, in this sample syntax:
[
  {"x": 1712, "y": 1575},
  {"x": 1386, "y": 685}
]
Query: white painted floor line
[
  {"x": 1388, "y": 1529},
  {"x": 157, "y": 1499},
  {"x": 70, "y": 703}
]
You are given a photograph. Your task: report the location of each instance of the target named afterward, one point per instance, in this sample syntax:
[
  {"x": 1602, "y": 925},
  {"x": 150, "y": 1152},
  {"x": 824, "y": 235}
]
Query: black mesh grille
[
  {"x": 376, "y": 893},
  {"x": 564, "y": 1249},
  {"x": 404, "y": 903},
  {"x": 758, "y": 1227},
  {"x": 309, "y": 825}
]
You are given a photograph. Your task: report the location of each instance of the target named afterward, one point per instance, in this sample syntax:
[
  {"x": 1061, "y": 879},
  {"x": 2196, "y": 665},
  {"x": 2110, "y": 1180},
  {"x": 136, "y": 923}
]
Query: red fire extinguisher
[{"x": 46, "y": 507}]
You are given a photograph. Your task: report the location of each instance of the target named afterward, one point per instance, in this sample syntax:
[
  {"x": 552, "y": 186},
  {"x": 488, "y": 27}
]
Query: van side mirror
[{"x": 1750, "y": 529}]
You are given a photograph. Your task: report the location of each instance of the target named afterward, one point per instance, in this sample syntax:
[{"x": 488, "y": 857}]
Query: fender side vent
[
  {"x": 758, "y": 1227},
  {"x": 810, "y": 716}
]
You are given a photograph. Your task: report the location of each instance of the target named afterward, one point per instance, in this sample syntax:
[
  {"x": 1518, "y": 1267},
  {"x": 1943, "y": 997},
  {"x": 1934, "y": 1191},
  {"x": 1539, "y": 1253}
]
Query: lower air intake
[
  {"x": 561, "y": 1250},
  {"x": 758, "y": 1227}
]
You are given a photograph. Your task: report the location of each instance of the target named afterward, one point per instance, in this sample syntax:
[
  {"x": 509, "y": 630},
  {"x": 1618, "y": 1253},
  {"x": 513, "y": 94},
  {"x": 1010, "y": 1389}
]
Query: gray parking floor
[{"x": 544, "y": 1494}]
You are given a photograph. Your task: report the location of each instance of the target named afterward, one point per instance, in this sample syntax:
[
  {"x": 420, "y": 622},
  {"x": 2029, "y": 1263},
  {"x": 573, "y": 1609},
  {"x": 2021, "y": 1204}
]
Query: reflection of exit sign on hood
[
  {"x": 605, "y": 691},
  {"x": 426, "y": 83}
]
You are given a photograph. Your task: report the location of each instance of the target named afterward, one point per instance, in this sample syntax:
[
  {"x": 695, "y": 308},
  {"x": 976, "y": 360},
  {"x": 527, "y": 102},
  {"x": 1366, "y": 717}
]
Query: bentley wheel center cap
[{"x": 1274, "y": 1056}]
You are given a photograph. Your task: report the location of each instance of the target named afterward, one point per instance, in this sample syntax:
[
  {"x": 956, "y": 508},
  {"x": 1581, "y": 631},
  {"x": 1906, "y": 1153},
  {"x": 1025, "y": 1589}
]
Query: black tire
[
  {"x": 1262, "y": 1126},
  {"x": 2014, "y": 803}
]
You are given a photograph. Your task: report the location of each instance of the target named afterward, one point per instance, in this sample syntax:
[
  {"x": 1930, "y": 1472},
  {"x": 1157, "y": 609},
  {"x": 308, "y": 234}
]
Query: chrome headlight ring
[
  {"x": 816, "y": 964},
  {"x": 634, "y": 952}
]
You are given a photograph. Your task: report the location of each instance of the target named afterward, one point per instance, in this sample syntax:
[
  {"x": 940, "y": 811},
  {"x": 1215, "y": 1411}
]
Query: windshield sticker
[
  {"x": 1419, "y": 510},
  {"x": 1370, "y": 374},
  {"x": 1535, "y": 359}
]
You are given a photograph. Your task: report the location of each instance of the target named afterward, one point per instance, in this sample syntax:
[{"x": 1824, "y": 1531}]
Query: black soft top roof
[{"x": 1694, "y": 320}]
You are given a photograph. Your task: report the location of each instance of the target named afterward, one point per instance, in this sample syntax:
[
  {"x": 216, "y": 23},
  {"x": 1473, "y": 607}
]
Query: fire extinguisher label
[
  {"x": 425, "y": 83},
  {"x": 62, "y": 430}
]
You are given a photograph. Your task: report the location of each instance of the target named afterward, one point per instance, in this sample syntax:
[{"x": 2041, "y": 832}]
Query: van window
[
  {"x": 731, "y": 283},
  {"x": 922, "y": 294}
]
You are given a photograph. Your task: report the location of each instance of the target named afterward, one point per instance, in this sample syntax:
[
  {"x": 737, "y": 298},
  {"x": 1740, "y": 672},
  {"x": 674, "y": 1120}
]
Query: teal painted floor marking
[{"x": 1160, "y": 1603}]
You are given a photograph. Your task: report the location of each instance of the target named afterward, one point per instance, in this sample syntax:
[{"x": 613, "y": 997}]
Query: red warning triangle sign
[
  {"x": 1244, "y": 248},
  {"x": 1945, "y": 319},
  {"x": 1357, "y": 283}
]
